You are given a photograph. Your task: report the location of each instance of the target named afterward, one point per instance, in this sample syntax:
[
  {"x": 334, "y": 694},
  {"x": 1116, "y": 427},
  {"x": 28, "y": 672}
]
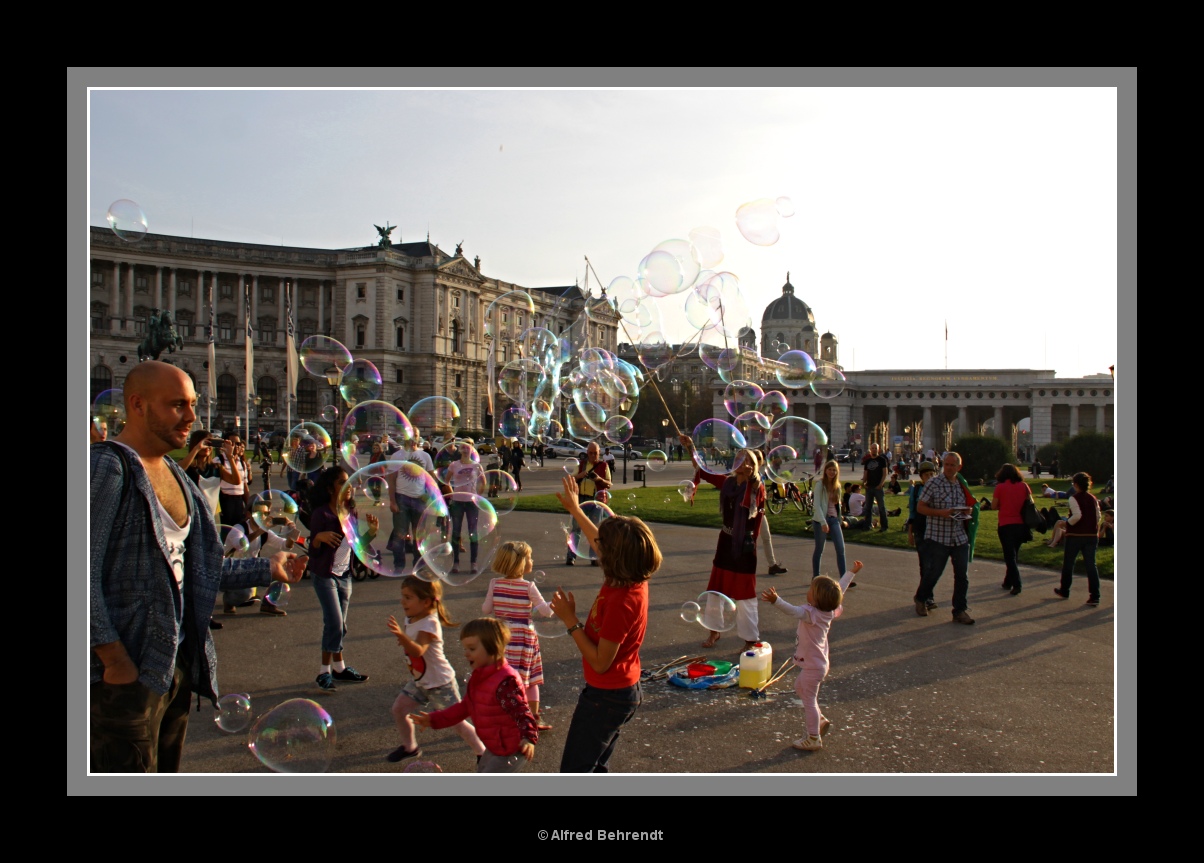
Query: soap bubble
[
  {"x": 470, "y": 531},
  {"x": 297, "y": 736},
  {"x": 571, "y": 466},
  {"x": 127, "y": 220},
  {"x": 275, "y": 512},
  {"x": 686, "y": 489},
  {"x": 657, "y": 461},
  {"x": 508, "y": 315},
  {"x": 595, "y": 512},
  {"x": 797, "y": 371},
  {"x": 367, "y": 493},
  {"x": 519, "y": 378},
  {"x": 798, "y": 432},
  {"x": 829, "y": 381},
  {"x": 370, "y": 422},
  {"x": 757, "y": 221},
  {"x": 235, "y": 544},
  {"x": 548, "y": 627},
  {"x": 715, "y": 444},
  {"x": 785, "y": 207},
  {"x": 754, "y": 425},
  {"x": 278, "y": 594},
  {"x": 306, "y": 448},
  {"x": 786, "y": 464},
  {"x": 435, "y": 416},
  {"x": 233, "y": 712},
  {"x": 741, "y": 396},
  {"x": 502, "y": 490},
  {"x": 319, "y": 353},
  {"x": 108, "y": 411},
  {"x": 708, "y": 246},
  {"x": 712, "y": 610},
  {"x": 619, "y": 429},
  {"x": 513, "y": 422},
  {"x": 330, "y": 414},
  {"x": 691, "y": 611},
  {"x": 361, "y": 383}
]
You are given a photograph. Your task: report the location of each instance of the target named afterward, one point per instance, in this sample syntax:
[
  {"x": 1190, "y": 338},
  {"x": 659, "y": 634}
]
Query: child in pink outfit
[{"x": 815, "y": 616}]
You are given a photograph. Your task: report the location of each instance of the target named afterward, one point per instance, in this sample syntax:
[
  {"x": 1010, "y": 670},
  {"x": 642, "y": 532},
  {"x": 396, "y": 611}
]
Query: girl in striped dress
[{"x": 513, "y": 599}]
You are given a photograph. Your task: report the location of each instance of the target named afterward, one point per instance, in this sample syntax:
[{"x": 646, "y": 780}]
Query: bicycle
[{"x": 787, "y": 492}]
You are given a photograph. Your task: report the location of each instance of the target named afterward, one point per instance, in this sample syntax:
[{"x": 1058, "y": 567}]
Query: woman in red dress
[{"x": 734, "y": 570}]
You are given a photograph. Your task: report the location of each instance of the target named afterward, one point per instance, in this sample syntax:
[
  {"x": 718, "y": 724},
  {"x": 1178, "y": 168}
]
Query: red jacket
[{"x": 496, "y": 728}]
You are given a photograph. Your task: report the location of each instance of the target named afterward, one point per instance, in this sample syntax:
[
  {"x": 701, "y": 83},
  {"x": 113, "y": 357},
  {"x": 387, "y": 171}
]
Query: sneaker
[
  {"x": 266, "y": 607},
  {"x": 455, "y": 569},
  {"x": 930, "y": 604},
  {"x": 921, "y": 609},
  {"x": 963, "y": 617},
  {"x": 1094, "y": 600},
  {"x": 809, "y": 744},
  {"x": 475, "y": 569},
  {"x": 326, "y": 682},
  {"x": 777, "y": 570},
  {"x": 1065, "y": 594},
  {"x": 351, "y": 674},
  {"x": 401, "y": 753},
  {"x": 216, "y": 624}
]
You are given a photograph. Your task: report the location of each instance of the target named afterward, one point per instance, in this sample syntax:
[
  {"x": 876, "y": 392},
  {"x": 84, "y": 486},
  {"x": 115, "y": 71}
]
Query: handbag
[{"x": 1032, "y": 518}]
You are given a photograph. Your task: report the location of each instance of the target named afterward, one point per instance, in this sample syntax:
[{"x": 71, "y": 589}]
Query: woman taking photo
[{"x": 1011, "y": 491}]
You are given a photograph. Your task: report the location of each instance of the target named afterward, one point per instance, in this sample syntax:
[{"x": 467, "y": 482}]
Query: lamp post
[
  {"x": 665, "y": 433},
  {"x": 852, "y": 428},
  {"x": 334, "y": 376}
]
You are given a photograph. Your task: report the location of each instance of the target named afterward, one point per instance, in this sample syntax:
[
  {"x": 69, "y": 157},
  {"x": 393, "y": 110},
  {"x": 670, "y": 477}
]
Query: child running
[
  {"x": 610, "y": 638},
  {"x": 513, "y": 599},
  {"x": 495, "y": 701},
  {"x": 815, "y": 617},
  {"x": 434, "y": 682}
]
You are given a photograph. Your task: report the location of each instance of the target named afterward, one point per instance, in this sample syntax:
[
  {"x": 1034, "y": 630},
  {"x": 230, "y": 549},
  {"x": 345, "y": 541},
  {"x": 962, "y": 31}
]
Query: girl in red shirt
[
  {"x": 1011, "y": 491},
  {"x": 610, "y": 638}
]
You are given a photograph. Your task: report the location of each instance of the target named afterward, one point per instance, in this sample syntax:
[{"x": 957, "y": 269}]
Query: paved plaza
[{"x": 1027, "y": 689}]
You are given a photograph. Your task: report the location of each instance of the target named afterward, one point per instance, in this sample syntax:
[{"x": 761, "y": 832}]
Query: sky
[{"x": 990, "y": 209}]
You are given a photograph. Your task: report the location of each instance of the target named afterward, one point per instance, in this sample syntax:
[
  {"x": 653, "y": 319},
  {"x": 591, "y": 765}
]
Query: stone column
[
  {"x": 171, "y": 292},
  {"x": 322, "y": 306},
  {"x": 929, "y": 442},
  {"x": 280, "y": 288},
  {"x": 159, "y": 288},
  {"x": 892, "y": 424},
  {"x": 254, "y": 304},
  {"x": 128, "y": 312},
  {"x": 202, "y": 314},
  {"x": 1099, "y": 419},
  {"x": 115, "y": 299},
  {"x": 961, "y": 420},
  {"x": 999, "y": 431},
  {"x": 1074, "y": 420}
]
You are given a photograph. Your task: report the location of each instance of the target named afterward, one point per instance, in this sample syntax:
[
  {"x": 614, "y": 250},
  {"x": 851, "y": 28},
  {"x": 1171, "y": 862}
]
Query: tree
[
  {"x": 982, "y": 456},
  {"x": 1048, "y": 452},
  {"x": 1091, "y": 453}
]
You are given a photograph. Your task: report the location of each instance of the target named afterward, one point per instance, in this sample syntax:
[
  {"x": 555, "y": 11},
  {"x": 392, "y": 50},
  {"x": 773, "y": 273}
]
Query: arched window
[
  {"x": 265, "y": 390},
  {"x": 227, "y": 394},
  {"x": 307, "y": 398},
  {"x": 102, "y": 379}
]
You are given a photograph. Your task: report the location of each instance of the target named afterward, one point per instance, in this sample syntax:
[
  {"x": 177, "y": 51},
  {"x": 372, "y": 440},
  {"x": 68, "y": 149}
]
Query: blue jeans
[
  {"x": 405, "y": 526},
  {"x": 594, "y": 731},
  {"x": 1086, "y": 546},
  {"x": 933, "y": 557},
  {"x": 837, "y": 539},
  {"x": 460, "y": 509},
  {"x": 334, "y": 594}
]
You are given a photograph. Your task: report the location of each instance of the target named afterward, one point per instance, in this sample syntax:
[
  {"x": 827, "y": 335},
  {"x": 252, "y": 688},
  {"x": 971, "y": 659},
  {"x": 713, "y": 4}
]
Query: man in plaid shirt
[{"x": 942, "y": 500}]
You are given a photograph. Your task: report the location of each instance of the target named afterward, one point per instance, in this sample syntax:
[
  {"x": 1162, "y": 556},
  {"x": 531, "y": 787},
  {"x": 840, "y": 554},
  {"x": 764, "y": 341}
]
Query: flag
[
  {"x": 946, "y": 331},
  {"x": 250, "y": 358},
  {"x": 290, "y": 347},
  {"x": 210, "y": 335}
]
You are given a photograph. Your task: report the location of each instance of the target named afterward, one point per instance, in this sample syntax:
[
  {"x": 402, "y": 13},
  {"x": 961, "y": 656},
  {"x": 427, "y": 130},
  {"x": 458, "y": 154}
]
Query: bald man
[{"x": 156, "y": 567}]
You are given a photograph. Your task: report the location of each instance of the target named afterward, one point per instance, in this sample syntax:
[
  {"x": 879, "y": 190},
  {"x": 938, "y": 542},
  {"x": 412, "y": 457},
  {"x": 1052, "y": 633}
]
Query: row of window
[{"x": 267, "y": 293}]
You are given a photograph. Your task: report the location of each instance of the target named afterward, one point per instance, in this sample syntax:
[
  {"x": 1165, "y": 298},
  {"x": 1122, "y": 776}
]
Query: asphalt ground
[{"x": 1028, "y": 689}]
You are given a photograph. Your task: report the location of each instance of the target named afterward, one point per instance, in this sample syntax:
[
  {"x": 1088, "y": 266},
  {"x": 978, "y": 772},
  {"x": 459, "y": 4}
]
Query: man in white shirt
[{"x": 411, "y": 496}]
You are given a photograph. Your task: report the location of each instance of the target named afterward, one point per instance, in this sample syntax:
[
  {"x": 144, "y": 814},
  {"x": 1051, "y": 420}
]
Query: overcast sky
[{"x": 991, "y": 208}]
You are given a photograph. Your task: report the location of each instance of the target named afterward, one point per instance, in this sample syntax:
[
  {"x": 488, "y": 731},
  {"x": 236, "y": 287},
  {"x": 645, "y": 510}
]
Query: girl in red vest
[{"x": 496, "y": 701}]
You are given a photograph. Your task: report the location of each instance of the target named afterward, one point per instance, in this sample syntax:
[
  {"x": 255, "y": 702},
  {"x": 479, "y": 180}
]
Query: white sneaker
[{"x": 809, "y": 744}]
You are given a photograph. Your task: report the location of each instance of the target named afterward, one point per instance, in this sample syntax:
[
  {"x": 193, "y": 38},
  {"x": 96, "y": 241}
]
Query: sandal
[
  {"x": 540, "y": 725},
  {"x": 712, "y": 641}
]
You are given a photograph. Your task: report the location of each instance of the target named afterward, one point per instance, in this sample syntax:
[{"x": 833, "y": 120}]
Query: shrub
[
  {"x": 1048, "y": 452},
  {"x": 982, "y": 456},
  {"x": 1090, "y": 452}
]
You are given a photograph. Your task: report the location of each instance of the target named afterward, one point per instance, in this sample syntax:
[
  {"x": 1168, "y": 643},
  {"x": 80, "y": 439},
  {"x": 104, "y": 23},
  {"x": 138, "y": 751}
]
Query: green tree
[
  {"x": 1048, "y": 452},
  {"x": 982, "y": 456},
  {"x": 1089, "y": 452}
]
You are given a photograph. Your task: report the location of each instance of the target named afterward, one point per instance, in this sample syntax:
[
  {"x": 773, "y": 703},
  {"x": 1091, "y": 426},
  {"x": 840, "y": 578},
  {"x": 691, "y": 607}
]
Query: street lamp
[
  {"x": 334, "y": 376},
  {"x": 852, "y": 428}
]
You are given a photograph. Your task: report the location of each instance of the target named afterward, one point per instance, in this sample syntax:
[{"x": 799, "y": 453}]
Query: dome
[
  {"x": 788, "y": 307},
  {"x": 828, "y": 337}
]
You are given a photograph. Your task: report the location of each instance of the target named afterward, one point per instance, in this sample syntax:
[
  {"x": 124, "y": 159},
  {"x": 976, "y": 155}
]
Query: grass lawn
[{"x": 665, "y": 505}]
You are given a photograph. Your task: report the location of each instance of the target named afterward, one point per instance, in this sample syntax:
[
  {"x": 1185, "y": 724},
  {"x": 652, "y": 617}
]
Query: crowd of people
[{"x": 155, "y": 535}]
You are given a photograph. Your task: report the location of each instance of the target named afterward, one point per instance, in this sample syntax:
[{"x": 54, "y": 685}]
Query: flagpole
[
  {"x": 250, "y": 360},
  {"x": 288, "y": 357},
  {"x": 212, "y": 381}
]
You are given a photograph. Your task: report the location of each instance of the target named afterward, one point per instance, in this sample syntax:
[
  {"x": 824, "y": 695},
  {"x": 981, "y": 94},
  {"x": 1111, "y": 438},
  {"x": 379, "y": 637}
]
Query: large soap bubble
[
  {"x": 233, "y": 712},
  {"x": 127, "y": 220},
  {"x": 713, "y": 610},
  {"x": 368, "y": 423},
  {"x": 435, "y": 416},
  {"x": 829, "y": 381},
  {"x": 275, "y": 512},
  {"x": 108, "y": 412},
  {"x": 797, "y": 370},
  {"x": 318, "y": 354},
  {"x": 297, "y": 736},
  {"x": 361, "y": 383},
  {"x": 715, "y": 445},
  {"x": 307, "y": 447}
]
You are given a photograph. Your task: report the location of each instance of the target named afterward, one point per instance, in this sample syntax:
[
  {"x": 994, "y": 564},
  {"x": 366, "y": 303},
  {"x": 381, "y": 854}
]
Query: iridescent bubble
[
  {"x": 422, "y": 767},
  {"x": 235, "y": 544},
  {"x": 718, "y": 611},
  {"x": 741, "y": 396},
  {"x": 720, "y": 359},
  {"x": 306, "y": 447},
  {"x": 369, "y": 423},
  {"x": 435, "y": 416},
  {"x": 715, "y": 445},
  {"x": 584, "y": 418},
  {"x": 508, "y": 314},
  {"x": 571, "y": 466},
  {"x": 330, "y": 414},
  {"x": 233, "y": 712},
  {"x": 278, "y": 594},
  {"x": 361, "y": 383},
  {"x": 319, "y": 354},
  {"x": 267, "y": 412},
  {"x": 518, "y": 379},
  {"x": 127, "y": 220},
  {"x": 275, "y": 512},
  {"x": 670, "y": 268},
  {"x": 798, "y": 432},
  {"x": 513, "y": 421},
  {"x": 459, "y": 551},
  {"x": 757, "y": 221},
  {"x": 597, "y": 513},
  {"x": 366, "y": 498},
  {"x": 730, "y": 314},
  {"x": 785, "y": 207},
  {"x": 297, "y": 736},
  {"x": 657, "y": 461},
  {"x": 502, "y": 490},
  {"x": 541, "y": 345},
  {"x": 686, "y": 489},
  {"x": 548, "y": 627},
  {"x": 108, "y": 412},
  {"x": 619, "y": 429},
  {"x": 797, "y": 370},
  {"x": 708, "y": 245},
  {"x": 691, "y": 611},
  {"x": 773, "y": 404},
  {"x": 784, "y": 463},
  {"x": 829, "y": 381},
  {"x": 754, "y": 425}
]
